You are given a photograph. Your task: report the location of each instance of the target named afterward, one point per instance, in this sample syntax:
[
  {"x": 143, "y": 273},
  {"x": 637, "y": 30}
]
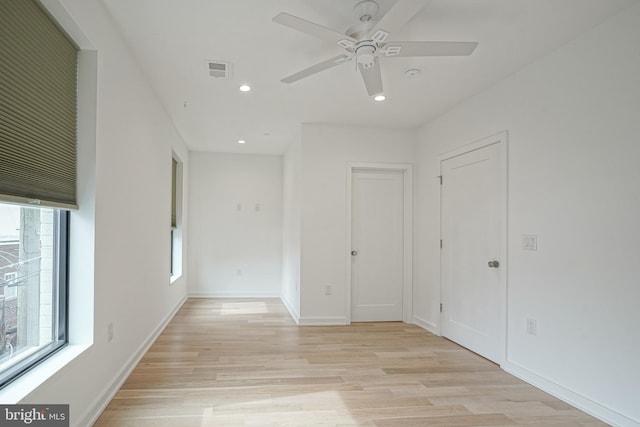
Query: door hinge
[
  {"x": 440, "y": 307},
  {"x": 440, "y": 243},
  {"x": 440, "y": 178}
]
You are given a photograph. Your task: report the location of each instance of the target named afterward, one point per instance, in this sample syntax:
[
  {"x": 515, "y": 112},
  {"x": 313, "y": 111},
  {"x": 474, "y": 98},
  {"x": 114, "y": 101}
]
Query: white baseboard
[
  {"x": 424, "y": 324},
  {"x": 229, "y": 294},
  {"x": 322, "y": 321},
  {"x": 99, "y": 404},
  {"x": 292, "y": 311},
  {"x": 585, "y": 404}
]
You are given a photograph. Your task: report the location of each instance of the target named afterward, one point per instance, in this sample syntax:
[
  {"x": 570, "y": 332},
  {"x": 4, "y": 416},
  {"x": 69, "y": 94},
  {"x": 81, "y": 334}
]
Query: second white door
[
  {"x": 473, "y": 273},
  {"x": 377, "y": 245}
]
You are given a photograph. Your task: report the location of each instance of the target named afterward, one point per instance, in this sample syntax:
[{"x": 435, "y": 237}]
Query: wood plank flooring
[{"x": 244, "y": 362}]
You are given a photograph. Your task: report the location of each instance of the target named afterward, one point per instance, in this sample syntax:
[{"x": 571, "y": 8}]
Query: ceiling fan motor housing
[{"x": 360, "y": 31}]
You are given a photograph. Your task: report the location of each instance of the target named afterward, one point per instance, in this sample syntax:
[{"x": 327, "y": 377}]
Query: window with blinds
[{"x": 38, "y": 103}]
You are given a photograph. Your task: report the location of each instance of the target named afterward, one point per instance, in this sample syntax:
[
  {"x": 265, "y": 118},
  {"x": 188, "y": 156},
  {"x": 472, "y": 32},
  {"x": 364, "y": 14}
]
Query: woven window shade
[{"x": 38, "y": 103}]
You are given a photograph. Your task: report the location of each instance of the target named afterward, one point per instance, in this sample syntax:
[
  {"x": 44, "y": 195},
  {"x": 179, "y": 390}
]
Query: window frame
[
  {"x": 61, "y": 275},
  {"x": 81, "y": 287},
  {"x": 176, "y": 236}
]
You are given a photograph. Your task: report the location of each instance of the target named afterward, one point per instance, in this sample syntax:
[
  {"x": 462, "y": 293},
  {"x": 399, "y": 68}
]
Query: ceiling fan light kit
[
  {"x": 366, "y": 43},
  {"x": 366, "y": 55}
]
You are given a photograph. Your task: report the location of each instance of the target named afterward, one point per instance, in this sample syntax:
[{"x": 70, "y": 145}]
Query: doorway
[
  {"x": 473, "y": 255},
  {"x": 379, "y": 242}
]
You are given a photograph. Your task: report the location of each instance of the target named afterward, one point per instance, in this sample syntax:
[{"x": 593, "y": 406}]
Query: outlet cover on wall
[
  {"x": 532, "y": 326},
  {"x": 530, "y": 242}
]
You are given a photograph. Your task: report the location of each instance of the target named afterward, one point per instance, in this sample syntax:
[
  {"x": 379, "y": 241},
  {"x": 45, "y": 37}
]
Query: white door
[
  {"x": 473, "y": 275},
  {"x": 377, "y": 245}
]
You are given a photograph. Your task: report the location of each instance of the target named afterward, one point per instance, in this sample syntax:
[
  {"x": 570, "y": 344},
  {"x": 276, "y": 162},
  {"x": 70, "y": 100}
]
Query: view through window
[{"x": 31, "y": 254}]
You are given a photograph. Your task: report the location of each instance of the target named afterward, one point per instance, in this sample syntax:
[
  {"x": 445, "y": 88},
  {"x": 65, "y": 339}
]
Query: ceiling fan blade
[
  {"x": 324, "y": 65},
  {"x": 429, "y": 48},
  {"x": 372, "y": 77},
  {"x": 396, "y": 17},
  {"x": 312, "y": 29}
]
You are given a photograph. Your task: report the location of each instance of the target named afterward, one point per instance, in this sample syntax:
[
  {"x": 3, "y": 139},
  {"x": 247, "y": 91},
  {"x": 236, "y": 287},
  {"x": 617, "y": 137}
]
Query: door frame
[
  {"x": 501, "y": 139},
  {"x": 407, "y": 253}
]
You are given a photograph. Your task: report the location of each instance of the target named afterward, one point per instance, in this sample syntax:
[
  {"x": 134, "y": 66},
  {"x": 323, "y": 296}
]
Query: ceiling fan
[{"x": 366, "y": 42}]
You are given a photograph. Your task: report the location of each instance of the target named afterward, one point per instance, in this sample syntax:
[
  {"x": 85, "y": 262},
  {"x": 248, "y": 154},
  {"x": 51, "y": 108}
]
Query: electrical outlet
[
  {"x": 110, "y": 332},
  {"x": 532, "y": 326},
  {"x": 530, "y": 242},
  {"x": 328, "y": 290}
]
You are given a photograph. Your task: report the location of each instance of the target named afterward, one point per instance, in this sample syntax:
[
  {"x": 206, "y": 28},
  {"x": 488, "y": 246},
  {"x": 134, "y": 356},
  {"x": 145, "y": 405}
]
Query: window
[
  {"x": 33, "y": 254},
  {"x": 38, "y": 169},
  {"x": 176, "y": 217}
]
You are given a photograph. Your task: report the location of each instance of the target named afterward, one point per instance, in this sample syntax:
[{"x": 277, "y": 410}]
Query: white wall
[
  {"x": 326, "y": 150},
  {"x": 573, "y": 123},
  {"x": 236, "y": 221},
  {"x": 120, "y": 236},
  {"x": 290, "y": 293}
]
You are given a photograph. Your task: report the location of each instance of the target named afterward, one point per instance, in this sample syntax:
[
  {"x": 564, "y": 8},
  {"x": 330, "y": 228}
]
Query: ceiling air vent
[{"x": 219, "y": 69}]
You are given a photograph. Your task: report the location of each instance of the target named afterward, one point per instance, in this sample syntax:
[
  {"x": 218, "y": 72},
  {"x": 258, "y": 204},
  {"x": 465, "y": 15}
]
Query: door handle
[
  {"x": 354, "y": 253},
  {"x": 494, "y": 264}
]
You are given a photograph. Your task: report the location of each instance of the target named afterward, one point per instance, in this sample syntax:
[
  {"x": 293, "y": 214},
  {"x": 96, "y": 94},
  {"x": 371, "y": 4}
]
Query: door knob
[
  {"x": 494, "y": 264},
  {"x": 354, "y": 253}
]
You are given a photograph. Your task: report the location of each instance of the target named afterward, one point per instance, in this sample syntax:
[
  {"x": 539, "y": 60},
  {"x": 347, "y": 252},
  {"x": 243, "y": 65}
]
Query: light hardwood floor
[{"x": 228, "y": 362}]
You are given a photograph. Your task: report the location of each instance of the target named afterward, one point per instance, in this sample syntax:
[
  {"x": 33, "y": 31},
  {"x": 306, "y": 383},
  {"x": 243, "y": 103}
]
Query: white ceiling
[{"x": 173, "y": 39}]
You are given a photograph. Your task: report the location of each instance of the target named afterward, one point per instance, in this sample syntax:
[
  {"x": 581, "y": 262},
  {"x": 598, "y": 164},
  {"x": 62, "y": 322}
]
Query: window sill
[
  {"x": 27, "y": 383},
  {"x": 174, "y": 278}
]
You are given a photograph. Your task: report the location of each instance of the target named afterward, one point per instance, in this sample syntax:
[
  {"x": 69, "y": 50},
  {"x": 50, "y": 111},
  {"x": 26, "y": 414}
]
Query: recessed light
[
  {"x": 245, "y": 88},
  {"x": 241, "y": 141},
  {"x": 380, "y": 98}
]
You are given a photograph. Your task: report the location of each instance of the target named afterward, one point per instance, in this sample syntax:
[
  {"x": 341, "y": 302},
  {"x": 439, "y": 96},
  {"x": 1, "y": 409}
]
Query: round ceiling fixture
[
  {"x": 412, "y": 73},
  {"x": 245, "y": 88},
  {"x": 379, "y": 98},
  {"x": 241, "y": 141}
]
